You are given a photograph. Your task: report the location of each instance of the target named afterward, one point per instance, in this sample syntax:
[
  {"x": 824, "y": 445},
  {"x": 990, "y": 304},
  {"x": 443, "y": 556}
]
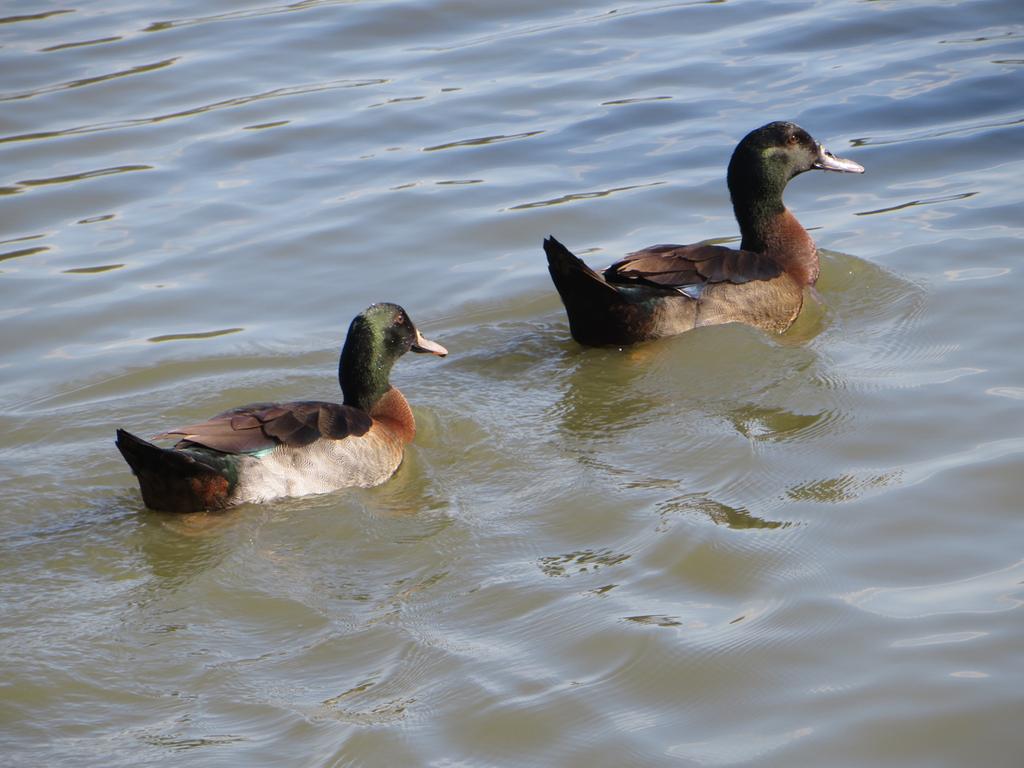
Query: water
[{"x": 720, "y": 549}]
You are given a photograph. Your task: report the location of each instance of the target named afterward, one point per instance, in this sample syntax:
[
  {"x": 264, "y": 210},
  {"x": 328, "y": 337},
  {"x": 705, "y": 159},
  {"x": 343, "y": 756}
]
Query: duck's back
[{"x": 713, "y": 285}]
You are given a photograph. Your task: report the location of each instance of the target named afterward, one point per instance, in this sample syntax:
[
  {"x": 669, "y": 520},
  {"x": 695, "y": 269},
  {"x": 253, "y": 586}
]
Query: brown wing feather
[
  {"x": 678, "y": 266},
  {"x": 256, "y": 427}
]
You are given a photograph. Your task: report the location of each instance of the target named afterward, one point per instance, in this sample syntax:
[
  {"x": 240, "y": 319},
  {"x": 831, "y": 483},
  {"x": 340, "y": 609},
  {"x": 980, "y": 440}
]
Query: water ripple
[
  {"x": 936, "y": 133},
  {"x": 737, "y": 748},
  {"x": 34, "y": 16},
  {"x": 193, "y": 336},
  {"x": 635, "y": 100},
  {"x": 84, "y": 175},
  {"x": 92, "y": 270},
  {"x": 567, "y": 23},
  {"x": 80, "y": 43},
  {"x": 582, "y": 196},
  {"x": 137, "y": 70},
  {"x": 996, "y": 591},
  {"x": 21, "y": 252},
  {"x": 247, "y": 13},
  {"x": 474, "y": 142},
  {"x": 912, "y": 203},
  {"x": 239, "y": 101}
]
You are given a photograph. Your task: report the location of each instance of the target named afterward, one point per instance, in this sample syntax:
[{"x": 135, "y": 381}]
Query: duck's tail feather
[
  {"x": 595, "y": 307},
  {"x": 572, "y": 277},
  {"x": 175, "y": 480}
]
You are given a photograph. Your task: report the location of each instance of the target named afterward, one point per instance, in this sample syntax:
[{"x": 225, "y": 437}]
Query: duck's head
[
  {"x": 377, "y": 337},
  {"x": 768, "y": 157},
  {"x": 387, "y": 330}
]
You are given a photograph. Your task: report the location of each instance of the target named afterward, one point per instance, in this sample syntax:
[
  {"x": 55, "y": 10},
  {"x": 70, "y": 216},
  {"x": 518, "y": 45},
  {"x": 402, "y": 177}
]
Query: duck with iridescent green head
[
  {"x": 269, "y": 450},
  {"x": 665, "y": 290}
]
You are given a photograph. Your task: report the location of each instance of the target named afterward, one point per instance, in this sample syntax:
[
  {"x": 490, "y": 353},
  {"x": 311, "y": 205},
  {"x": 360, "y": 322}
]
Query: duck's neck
[
  {"x": 363, "y": 375},
  {"x": 364, "y": 381},
  {"x": 782, "y": 237},
  {"x": 769, "y": 227}
]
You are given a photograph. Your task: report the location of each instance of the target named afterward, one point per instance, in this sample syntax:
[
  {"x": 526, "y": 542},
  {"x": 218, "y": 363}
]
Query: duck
[
  {"x": 666, "y": 290},
  {"x": 264, "y": 451}
]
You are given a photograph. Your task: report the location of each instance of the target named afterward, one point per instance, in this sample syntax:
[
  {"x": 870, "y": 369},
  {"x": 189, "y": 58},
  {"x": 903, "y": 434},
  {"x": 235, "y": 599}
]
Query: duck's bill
[
  {"x": 423, "y": 344},
  {"x": 828, "y": 162}
]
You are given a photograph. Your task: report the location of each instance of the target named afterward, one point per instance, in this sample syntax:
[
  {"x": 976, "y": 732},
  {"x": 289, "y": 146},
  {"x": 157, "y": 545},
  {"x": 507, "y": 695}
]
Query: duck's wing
[
  {"x": 260, "y": 426},
  {"x": 684, "y": 266}
]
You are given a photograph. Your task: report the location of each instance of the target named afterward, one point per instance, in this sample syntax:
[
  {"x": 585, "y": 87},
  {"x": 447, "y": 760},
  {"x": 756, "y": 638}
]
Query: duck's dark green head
[
  {"x": 769, "y": 156},
  {"x": 377, "y": 337}
]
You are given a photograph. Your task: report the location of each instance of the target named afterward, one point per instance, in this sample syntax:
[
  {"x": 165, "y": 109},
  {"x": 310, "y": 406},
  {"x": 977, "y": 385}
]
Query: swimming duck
[
  {"x": 668, "y": 289},
  {"x": 269, "y": 450}
]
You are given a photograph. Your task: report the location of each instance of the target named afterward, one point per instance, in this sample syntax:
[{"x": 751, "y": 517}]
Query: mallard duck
[
  {"x": 668, "y": 289},
  {"x": 268, "y": 450}
]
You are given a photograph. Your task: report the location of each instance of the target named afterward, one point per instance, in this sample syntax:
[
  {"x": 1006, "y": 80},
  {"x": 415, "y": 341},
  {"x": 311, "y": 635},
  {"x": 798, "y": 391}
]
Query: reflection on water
[
  {"x": 1001, "y": 590},
  {"x": 834, "y": 490},
  {"x": 585, "y": 561},
  {"x": 178, "y": 549},
  {"x": 748, "y": 747},
  {"x": 722, "y": 514},
  {"x": 601, "y": 396},
  {"x": 775, "y": 424}
]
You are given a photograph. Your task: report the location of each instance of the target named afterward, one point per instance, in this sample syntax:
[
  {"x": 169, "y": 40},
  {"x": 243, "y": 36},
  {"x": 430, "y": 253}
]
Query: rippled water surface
[{"x": 720, "y": 549}]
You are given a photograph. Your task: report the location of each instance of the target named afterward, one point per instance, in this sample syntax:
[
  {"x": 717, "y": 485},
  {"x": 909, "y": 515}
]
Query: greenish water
[{"x": 720, "y": 549}]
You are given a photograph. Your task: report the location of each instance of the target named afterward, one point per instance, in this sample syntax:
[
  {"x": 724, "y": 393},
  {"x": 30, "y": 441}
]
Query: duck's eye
[
  {"x": 793, "y": 139},
  {"x": 399, "y": 319}
]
